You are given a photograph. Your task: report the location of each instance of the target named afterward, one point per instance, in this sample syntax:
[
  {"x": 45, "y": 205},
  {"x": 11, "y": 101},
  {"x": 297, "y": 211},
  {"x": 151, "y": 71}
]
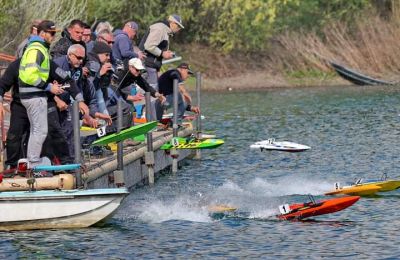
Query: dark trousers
[
  {"x": 67, "y": 128},
  {"x": 56, "y": 142},
  {"x": 18, "y": 134}
]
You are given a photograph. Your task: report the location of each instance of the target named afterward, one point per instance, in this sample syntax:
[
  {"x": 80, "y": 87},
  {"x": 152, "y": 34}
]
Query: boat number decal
[
  {"x": 101, "y": 131},
  {"x": 284, "y": 209},
  {"x": 175, "y": 142}
]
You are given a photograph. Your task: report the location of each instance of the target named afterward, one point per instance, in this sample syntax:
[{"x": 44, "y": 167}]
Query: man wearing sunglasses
[
  {"x": 103, "y": 36},
  {"x": 122, "y": 48},
  {"x": 34, "y": 75},
  {"x": 72, "y": 63}
]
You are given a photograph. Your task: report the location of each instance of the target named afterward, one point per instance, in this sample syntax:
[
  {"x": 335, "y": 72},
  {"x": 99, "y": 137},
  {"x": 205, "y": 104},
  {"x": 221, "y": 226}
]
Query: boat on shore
[
  {"x": 356, "y": 77},
  {"x": 50, "y": 209}
]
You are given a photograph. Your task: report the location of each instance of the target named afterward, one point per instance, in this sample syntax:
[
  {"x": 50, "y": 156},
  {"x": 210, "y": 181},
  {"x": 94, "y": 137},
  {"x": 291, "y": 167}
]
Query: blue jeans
[
  {"x": 168, "y": 104},
  {"x": 100, "y": 102}
]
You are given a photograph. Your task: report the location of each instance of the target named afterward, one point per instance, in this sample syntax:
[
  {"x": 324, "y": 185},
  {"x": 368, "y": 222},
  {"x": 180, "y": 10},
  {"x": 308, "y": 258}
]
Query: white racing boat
[
  {"x": 285, "y": 146},
  {"x": 47, "y": 209}
]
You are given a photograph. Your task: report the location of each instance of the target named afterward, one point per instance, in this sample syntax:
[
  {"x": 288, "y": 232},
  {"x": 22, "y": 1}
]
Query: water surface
[{"x": 353, "y": 132}]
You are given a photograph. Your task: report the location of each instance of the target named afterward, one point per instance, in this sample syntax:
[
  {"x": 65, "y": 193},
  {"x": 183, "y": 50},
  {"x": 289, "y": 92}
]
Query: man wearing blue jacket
[
  {"x": 72, "y": 63},
  {"x": 122, "y": 48}
]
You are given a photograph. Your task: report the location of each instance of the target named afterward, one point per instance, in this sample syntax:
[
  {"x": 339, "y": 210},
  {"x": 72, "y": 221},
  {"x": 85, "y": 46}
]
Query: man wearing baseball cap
[
  {"x": 122, "y": 48},
  {"x": 155, "y": 45},
  {"x": 166, "y": 87},
  {"x": 34, "y": 71},
  {"x": 100, "y": 72},
  {"x": 132, "y": 75}
]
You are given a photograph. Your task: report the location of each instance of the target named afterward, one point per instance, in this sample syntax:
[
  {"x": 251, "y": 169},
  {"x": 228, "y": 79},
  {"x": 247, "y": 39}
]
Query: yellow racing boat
[{"x": 366, "y": 188}]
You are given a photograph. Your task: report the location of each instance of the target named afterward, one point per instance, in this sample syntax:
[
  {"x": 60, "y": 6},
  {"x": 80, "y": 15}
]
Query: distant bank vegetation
[{"x": 225, "y": 38}]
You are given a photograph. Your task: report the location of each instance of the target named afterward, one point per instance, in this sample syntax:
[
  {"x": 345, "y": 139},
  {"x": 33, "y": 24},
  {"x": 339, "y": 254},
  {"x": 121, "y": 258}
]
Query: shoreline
[{"x": 262, "y": 81}]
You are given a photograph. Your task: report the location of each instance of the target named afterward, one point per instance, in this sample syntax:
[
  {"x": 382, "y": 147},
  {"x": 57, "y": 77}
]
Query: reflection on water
[{"x": 353, "y": 132}]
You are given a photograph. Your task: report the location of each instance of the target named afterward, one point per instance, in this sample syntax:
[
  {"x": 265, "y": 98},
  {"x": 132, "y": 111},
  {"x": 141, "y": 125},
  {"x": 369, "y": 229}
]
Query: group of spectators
[{"x": 94, "y": 66}]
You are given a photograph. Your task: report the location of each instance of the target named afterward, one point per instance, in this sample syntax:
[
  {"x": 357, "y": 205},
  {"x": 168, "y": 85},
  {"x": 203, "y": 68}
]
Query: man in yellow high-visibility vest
[{"x": 33, "y": 75}]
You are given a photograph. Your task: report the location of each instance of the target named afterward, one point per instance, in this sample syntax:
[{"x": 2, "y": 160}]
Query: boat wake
[{"x": 257, "y": 199}]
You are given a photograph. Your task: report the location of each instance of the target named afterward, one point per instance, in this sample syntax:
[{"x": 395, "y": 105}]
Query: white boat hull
[
  {"x": 279, "y": 146},
  {"x": 57, "y": 209}
]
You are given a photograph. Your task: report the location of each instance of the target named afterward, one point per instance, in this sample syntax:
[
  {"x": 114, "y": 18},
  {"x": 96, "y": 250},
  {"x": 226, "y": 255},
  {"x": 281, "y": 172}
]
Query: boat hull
[
  {"x": 359, "y": 190},
  {"x": 388, "y": 185},
  {"x": 279, "y": 146},
  {"x": 306, "y": 210},
  {"x": 367, "y": 188},
  {"x": 356, "y": 77},
  {"x": 57, "y": 209}
]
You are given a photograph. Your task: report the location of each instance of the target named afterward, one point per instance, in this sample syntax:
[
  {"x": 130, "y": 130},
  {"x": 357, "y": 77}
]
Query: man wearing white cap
[{"x": 132, "y": 75}]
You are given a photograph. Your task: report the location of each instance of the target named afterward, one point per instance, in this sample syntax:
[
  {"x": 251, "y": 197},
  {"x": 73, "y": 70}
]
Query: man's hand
[
  {"x": 55, "y": 88},
  {"x": 105, "y": 117},
  {"x": 61, "y": 105},
  {"x": 90, "y": 121},
  {"x": 105, "y": 68},
  {"x": 160, "y": 97},
  {"x": 83, "y": 108},
  {"x": 195, "y": 109},
  {"x": 135, "y": 98},
  {"x": 167, "y": 54},
  {"x": 141, "y": 55},
  {"x": 85, "y": 72}
]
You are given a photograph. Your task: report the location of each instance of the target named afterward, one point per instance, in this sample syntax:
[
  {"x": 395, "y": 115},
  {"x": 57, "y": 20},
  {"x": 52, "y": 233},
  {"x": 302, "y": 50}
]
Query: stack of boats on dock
[{"x": 47, "y": 197}]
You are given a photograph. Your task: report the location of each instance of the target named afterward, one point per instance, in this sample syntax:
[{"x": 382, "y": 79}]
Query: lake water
[{"x": 353, "y": 132}]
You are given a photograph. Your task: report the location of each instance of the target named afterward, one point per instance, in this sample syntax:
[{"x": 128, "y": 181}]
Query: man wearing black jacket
[
  {"x": 19, "y": 123},
  {"x": 71, "y": 35},
  {"x": 132, "y": 75}
]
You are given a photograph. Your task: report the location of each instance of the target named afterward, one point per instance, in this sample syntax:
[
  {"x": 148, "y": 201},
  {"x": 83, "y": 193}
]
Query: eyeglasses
[
  {"x": 104, "y": 39},
  {"x": 78, "y": 57}
]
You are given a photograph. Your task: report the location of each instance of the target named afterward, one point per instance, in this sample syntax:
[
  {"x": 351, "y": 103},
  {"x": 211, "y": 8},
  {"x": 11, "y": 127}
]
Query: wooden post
[
  {"x": 198, "y": 122},
  {"x": 149, "y": 155},
  {"x": 77, "y": 141},
  {"x": 119, "y": 173},
  {"x": 174, "y": 152}
]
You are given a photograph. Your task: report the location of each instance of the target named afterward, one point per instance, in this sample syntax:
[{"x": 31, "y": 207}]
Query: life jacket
[{"x": 33, "y": 76}]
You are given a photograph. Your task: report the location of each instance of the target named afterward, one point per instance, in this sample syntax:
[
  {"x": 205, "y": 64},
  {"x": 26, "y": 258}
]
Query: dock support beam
[
  {"x": 77, "y": 142},
  {"x": 198, "y": 122},
  {"x": 174, "y": 152},
  {"x": 119, "y": 173},
  {"x": 149, "y": 155}
]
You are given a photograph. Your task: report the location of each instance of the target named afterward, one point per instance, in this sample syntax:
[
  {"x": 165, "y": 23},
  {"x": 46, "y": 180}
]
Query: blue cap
[
  {"x": 176, "y": 19},
  {"x": 133, "y": 25}
]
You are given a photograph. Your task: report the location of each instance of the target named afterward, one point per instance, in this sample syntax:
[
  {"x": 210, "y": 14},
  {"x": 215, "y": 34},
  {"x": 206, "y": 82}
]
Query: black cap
[
  {"x": 47, "y": 26},
  {"x": 185, "y": 66},
  {"x": 101, "y": 47}
]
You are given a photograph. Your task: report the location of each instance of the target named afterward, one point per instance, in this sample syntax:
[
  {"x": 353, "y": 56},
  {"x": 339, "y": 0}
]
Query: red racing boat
[{"x": 313, "y": 208}]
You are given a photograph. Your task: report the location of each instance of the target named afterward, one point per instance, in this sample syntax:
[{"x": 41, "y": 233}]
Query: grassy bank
[{"x": 301, "y": 59}]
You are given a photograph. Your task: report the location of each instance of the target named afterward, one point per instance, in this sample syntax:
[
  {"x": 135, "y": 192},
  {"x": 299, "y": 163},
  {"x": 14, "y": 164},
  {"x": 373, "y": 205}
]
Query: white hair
[
  {"x": 75, "y": 47},
  {"x": 102, "y": 26}
]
